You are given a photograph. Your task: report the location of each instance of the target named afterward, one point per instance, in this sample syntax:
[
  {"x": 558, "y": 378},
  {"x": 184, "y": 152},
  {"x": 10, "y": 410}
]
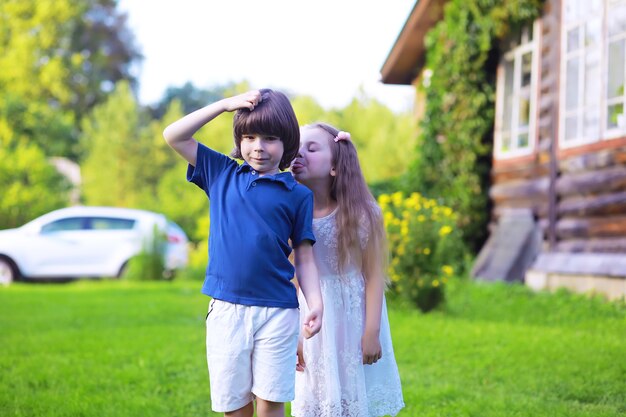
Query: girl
[{"x": 349, "y": 369}]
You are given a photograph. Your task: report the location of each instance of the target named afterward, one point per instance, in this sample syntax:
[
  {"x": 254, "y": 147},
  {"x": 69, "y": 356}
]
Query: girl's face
[
  {"x": 263, "y": 153},
  {"x": 314, "y": 159}
]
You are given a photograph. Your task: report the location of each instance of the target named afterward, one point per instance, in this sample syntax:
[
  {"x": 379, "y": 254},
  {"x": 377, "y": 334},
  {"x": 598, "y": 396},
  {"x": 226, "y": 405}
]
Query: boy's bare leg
[
  {"x": 269, "y": 408},
  {"x": 245, "y": 411}
]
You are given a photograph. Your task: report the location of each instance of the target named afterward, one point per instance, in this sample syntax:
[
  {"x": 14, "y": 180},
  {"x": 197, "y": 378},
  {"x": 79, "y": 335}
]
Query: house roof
[{"x": 406, "y": 58}]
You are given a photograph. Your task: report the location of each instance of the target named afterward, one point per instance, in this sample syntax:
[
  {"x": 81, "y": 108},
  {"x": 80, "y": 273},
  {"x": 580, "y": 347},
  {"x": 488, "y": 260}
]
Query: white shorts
[{"x": 251, "y": 351}]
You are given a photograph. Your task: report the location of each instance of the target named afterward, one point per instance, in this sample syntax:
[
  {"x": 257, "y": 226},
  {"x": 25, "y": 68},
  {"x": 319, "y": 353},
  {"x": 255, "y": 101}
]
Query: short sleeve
[
  {"x": 209, "y": 165},
  {"x": 303, "y": 224}
]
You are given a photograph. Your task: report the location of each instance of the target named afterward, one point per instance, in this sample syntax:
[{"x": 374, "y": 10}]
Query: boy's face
[{"x": 262, "y": 152}]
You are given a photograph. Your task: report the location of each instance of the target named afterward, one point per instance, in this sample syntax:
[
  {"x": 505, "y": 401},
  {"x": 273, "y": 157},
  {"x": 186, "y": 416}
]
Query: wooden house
[{"x": 558, "y": 178}]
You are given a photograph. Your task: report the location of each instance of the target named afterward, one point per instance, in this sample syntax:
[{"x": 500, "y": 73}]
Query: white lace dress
[{"x": 335, "y": 382}]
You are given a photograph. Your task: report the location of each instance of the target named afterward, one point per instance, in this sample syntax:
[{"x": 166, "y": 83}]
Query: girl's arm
[
  {"x": 308, "y": 280},
  {"x": 179, "y": 135},
  {"x": 374, "y": 290}
]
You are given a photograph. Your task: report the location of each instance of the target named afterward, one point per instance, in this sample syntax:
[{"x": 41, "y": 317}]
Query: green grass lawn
[{"x": 110, "y": 348}]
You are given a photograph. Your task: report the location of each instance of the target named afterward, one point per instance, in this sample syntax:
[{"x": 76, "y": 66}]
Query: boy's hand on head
[
  {"x": 312, "y": 323},
  {"x": 248, "y": 100}
]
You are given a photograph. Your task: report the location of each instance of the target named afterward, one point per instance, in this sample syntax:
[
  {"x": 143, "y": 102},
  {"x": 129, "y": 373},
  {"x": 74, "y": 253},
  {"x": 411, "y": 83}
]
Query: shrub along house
[{"x": 558, "y": 176}]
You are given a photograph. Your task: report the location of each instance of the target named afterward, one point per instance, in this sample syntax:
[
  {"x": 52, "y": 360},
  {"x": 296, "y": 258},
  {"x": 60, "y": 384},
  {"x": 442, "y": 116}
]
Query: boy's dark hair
[{"x": 273, "y": 116}]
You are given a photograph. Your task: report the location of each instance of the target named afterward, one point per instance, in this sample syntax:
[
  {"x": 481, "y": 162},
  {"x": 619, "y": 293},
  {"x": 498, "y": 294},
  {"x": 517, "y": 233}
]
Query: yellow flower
[
  {"x": 447, "y": 211},
  {"x": 445, "y": 230},
  {"x": 426, "y": 251},
  {"x": 384, "y": 199},
  {"x": 447, "y": 269},
  {"x": 404, "y": 230},
  {"x": 421, "y": 218},
  {"x": 401, "y": 250},
  {"x": 397, "y": 198},
  {"x": 413, "y": 201},
  {"x": 435, "y": 283}
]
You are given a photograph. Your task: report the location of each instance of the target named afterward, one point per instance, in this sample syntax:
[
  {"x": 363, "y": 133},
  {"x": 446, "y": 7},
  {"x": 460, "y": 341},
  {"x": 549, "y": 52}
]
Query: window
[
  {"x": 615, "y": 94},
  {"x": 109, "y": 223},
  {"x": 65, "y": 225},
  {"x": 88, "y": 223},
  {"x": 592, "y": 71},
  {"x": 517, "y": 96}
]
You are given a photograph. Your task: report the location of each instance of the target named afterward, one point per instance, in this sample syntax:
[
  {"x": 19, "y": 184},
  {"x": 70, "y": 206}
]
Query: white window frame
[
  {"x": 604, "y": 133},
  {"x": 516, "y": 55},
  {"x": 612, "y": 133}
]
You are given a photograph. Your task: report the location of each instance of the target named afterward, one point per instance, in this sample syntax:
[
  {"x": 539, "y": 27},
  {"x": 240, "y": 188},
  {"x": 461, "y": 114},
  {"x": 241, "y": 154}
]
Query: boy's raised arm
[
  {"x": 179, "y": 135},
  {"x": 308, "y": 280}
]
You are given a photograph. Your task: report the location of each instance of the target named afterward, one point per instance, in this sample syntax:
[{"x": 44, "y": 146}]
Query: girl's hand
[
  {"x": 370, "y": 345},
  {"x": 247, "y": 100},
  {"x": 300, "y": 365},
  {"x": 312, "y": 323}
]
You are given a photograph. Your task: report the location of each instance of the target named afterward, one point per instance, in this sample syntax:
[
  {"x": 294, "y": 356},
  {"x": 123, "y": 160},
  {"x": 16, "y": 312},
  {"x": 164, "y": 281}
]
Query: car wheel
[{"x": 8, "y": 271}]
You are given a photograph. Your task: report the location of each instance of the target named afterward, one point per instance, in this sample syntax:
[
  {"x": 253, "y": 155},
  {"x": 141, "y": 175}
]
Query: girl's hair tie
[{"x": 342, "y": 136}]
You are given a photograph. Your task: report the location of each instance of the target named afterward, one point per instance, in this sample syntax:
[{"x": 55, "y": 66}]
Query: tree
[
  {"x": 129, "y": 164},
  {"x": 163, "y": 187},
  {"x": 382, "y": 137},
  {"x": 308, "y": 110},
  {"x": 113, "y": 151},
  {"x": 30, "y": 185},
  {"x": 191, "y": 97},
  {"x": 58, "y": 58}
]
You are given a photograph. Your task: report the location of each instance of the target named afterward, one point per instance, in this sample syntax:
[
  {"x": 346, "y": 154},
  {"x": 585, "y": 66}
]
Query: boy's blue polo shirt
[{"x": 252, "y": 220}]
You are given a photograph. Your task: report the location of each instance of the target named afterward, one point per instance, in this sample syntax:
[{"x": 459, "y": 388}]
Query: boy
[{"x": 253, "y": 319}]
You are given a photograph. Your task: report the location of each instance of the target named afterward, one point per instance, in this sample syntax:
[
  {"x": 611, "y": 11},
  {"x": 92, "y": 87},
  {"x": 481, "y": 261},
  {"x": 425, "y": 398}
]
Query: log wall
[{"x": 590, "y": 187}]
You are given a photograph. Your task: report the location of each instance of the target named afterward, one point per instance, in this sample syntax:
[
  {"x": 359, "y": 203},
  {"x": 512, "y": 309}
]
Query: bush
[
  {"x": 426, "y": 247},
  {"x": 199, "y": 252},
  {"x": 149, "y": 264}
]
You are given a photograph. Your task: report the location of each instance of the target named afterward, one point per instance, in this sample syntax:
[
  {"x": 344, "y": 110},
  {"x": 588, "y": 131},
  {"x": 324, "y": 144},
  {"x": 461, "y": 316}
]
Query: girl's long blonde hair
[{"x": 356, "y": 208}]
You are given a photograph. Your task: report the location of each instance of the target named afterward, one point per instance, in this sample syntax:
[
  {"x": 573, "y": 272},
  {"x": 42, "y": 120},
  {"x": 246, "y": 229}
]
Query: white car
[{"x": 82, "y": 241}]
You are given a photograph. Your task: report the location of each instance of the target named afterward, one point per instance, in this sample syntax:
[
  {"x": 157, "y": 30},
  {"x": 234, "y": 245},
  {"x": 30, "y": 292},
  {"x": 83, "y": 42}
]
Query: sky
[{"x": 328, "y": 49}]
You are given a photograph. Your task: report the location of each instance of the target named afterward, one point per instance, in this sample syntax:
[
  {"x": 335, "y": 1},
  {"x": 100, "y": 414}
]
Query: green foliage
[
  {"x": 381, "y": 136},
  {"x": 425, "y": 246},
  {"x": 149, "y": 264},
  {"x": 308, "y": 110},
  {"x": 30, "y": 185},
  {"x": 57, "y": 59},
  {"x": 191, "y": 97},
  {"x": 128, "y": 164},
  {"x": 114, "y": 153},
  {"x": 454, "y": 148},
  {"x": 199, "y": 252}
]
